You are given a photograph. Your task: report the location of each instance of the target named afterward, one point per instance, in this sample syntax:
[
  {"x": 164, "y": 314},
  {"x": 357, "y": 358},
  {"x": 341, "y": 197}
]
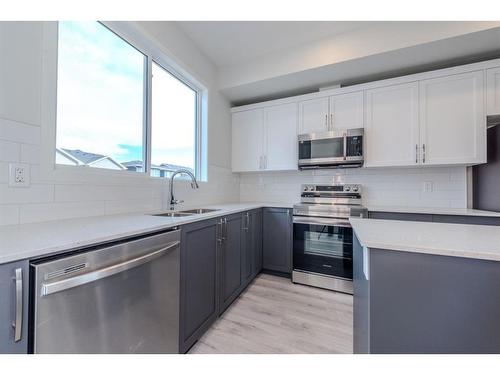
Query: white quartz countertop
[
  {"x": 434, "y": 211},
  {"x": 41, "y": 239},
  {"x": 459, "y": 240}
]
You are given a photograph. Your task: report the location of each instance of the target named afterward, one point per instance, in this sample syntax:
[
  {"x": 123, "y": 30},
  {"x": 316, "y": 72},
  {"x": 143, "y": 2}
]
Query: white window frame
[{"x": 153, "y": 52}]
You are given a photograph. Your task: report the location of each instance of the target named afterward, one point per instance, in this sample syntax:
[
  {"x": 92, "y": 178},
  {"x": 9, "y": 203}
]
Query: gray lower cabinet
[
  {"x": 251, "y": 245},
  {"x": 277, "y": 240},
  {"x": 256, "y": 231},
  {"x": 414, "y": 303},
  {"x": 14, "y": 287},
  {"x": 219, "y": 258},
  {"x": 199, "y": 283},
  {"x": 451, "y": 219},
  {"x": 231, "y": 260}
]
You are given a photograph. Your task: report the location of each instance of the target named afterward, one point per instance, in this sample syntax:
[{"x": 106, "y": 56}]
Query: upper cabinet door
[
  {"x": 493, "y": 91},
  {"x": 346, "y": 111},
  {"x": 247, "y": 135},
  {"x": 313, "y": 116},
  {"x": 391, "y": 128},
  {"x": 281, "y": 137},
  {"x": 452, "y": 119}
]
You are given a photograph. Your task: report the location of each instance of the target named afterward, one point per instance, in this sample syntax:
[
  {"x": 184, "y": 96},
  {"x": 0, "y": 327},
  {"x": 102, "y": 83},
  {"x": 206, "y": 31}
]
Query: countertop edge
[{"x": 419, "y": 249}]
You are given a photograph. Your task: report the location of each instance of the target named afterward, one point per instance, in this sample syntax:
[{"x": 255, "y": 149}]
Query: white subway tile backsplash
[
  {"x": 19, "y": 132},
  {"x": 9, "y": 151},
  {"x": 36, "y": 193},
  {"x": 32, "y": 213},
  {"x": 30, "y": 154},
  {"x": 9, "y": 214},
  {"x": 85, "y": 192},
  {"x": 119, "y": 207},
  {"x": 381, "y": 186}
]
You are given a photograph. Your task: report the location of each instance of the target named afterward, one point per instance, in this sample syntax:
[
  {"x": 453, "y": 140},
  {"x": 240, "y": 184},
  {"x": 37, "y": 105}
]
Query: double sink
[{"x": 194, "y": 211}]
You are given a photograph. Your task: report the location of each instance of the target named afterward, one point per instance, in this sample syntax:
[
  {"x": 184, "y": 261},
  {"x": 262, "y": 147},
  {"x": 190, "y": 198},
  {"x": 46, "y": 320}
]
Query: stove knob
[
  {"x": 347, "y": 188},
  {"x": 355, "y": 189}
]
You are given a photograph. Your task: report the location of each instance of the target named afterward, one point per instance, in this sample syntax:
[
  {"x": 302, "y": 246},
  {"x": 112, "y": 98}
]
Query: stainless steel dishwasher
[{"x": 121, "y": 298}]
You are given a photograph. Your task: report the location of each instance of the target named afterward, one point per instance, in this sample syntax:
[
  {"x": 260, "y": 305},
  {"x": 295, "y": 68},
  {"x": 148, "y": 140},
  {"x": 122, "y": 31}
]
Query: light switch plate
[{"x": 19, "y": 175}]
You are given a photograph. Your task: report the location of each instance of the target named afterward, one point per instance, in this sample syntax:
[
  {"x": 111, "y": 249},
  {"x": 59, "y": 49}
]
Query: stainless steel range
[{"x": 322, "y": 235}]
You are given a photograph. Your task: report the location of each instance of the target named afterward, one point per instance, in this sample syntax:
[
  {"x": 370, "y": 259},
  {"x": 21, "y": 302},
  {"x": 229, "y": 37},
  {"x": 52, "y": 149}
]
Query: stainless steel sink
[
  {"x": 199, "y": 211},
  {"x": 173, "y": 214}
]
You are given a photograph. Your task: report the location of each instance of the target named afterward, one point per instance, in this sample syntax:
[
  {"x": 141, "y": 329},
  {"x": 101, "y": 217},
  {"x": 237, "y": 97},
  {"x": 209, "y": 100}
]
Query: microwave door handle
[{"x": 345, "y": 146}]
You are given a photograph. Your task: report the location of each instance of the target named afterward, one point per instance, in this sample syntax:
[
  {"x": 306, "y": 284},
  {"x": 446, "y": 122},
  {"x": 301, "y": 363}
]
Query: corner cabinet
[
  {"x": 452, "y": 119},
  {"x": 265, "y": 139},
  {"x": 247, "y": 140},
  {"x": 14, "y": 287}
]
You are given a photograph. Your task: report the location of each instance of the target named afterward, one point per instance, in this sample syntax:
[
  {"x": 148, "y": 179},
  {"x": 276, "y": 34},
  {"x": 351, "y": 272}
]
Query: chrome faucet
[{"x": 194, "y": 185}]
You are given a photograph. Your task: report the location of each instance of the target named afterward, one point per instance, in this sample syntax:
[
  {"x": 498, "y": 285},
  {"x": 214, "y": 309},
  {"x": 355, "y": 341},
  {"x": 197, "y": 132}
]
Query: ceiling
[{"x": 232, "y": 42}]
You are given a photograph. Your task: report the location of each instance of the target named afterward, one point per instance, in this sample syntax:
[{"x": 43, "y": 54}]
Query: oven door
[{"x": 322, "y": 246}]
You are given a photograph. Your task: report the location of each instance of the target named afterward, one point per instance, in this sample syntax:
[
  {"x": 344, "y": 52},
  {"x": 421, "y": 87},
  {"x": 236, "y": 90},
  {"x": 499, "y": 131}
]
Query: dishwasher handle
[
  {"x": 18, "y": 322},
  {"x": 58, "y": 286}
]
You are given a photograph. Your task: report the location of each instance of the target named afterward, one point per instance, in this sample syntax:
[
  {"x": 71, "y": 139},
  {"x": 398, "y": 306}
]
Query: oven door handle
[{"x": 321, "y": 221}]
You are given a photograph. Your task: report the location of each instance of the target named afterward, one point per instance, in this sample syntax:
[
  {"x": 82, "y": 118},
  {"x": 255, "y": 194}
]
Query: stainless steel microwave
[{"x": 334, "y": 149}]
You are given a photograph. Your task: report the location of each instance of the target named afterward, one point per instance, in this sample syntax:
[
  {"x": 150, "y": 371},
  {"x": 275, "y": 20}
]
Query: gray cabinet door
[
  {"x": 256, "y": 225},
  {"x": 231, "y": 261},
  {"x": 277, "y": 240},
  {"x": 14, "y": 304},
  {"x": 400, "y": 216},
  {"x": 199, "y": 292},
  {"x": 247, "y": 248},
  {"x": 361, "y": 300},
  {"x": 251, "y": 245}
]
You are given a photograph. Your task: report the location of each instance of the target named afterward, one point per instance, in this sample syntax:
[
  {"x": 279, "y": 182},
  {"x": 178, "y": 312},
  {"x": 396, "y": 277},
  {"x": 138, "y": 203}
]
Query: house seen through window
[{"x": 102, "y": 101}]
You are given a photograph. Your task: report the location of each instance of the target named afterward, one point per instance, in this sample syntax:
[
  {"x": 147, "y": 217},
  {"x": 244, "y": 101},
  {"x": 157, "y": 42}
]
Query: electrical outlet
[
  {"x": 19, "y": 175},
  {"x": 428, "y": 186}
]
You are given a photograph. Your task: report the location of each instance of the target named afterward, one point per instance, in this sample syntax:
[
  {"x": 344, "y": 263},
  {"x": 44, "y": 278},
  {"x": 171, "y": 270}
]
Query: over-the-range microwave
[{"x": 334, "y": 149}]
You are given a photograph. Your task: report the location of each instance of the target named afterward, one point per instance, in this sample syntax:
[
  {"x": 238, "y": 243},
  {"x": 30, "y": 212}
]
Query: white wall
[
  {"x": 77, "y": 195},
  {"x": 381, "y": 186}
]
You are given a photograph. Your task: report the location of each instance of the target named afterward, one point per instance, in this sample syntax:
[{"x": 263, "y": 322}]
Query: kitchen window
[{"x": 122, "y": 107}]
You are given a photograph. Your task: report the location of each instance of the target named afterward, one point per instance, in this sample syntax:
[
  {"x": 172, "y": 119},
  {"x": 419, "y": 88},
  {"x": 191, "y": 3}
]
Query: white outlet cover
[
  {"x": 428, "y": 186},
  {"x": 21, "y": 170}
]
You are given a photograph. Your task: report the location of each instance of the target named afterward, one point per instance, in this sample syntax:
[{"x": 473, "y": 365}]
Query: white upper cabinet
[
  {"x": 265, "y": 139},
  {"x": 247, "y": 140},
  {"x": 337, "y": 112},
  {"x": 432, "y": 118},
  {"x": 493, "y": 91},
  {"x": 452, "y": 119},
  {"x": 391, "y": 126},
  {"x": 346, "y": 111},
  {"x": 281, "y": 137},
  {"x": 314, "y": 115}
]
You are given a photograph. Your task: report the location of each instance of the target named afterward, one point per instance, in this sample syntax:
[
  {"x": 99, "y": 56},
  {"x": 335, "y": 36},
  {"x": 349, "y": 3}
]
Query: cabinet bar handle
[
  {"x": 416, "y": 154},
  {"x": 331, "y": 121},
  {"x": 326, "y": 121},
  {"x": 219, "y": 231},
  {"x": 18, "y": 323},
  {"x": 423, "y": 156}
]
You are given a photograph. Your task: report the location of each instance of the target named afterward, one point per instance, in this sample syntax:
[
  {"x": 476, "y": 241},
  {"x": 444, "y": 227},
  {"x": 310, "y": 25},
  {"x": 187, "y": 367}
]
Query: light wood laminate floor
[{"x": 273, "y": 315}]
